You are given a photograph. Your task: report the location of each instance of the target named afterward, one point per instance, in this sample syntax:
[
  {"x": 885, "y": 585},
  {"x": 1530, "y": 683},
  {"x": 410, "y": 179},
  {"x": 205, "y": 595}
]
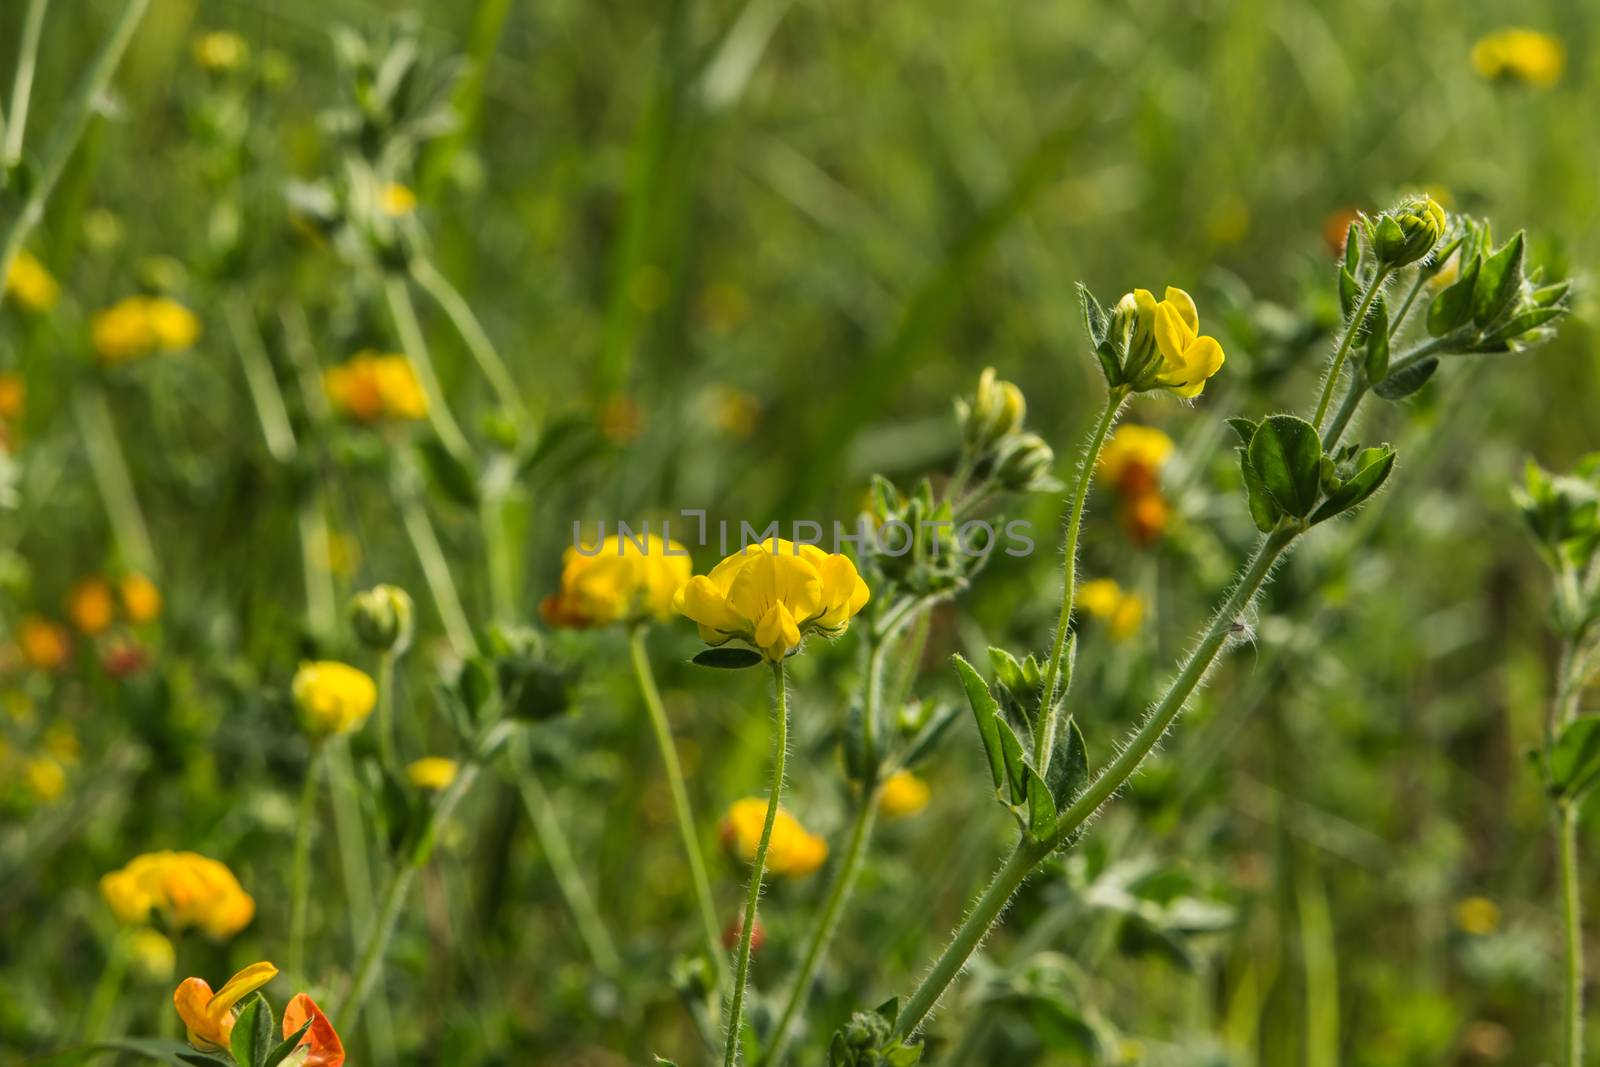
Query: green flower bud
[
  {"x": 382, "y": 618},
  {"x": 997, "y": 409},
  {"x": 1409, "y": 232},
  {"x": 1024, "y": 462}
]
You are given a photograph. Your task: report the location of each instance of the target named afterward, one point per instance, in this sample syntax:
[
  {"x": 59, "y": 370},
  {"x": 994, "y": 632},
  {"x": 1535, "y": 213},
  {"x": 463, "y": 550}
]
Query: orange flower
[
  {"x": 45, "y": 644},
  {"x": 140, "y": 598},
  {"x": 209, "y": 1016},
  {"x": 1145, "y": 517},
  {"x": 91, "y": 606},
  {"x": 321, "y": 1038}
]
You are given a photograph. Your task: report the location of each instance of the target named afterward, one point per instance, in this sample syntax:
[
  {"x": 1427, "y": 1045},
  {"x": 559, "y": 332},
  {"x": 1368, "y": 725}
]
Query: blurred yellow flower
[
  {"x": 184, "y": 888},
  {"x": 395, "y": 200},
  {"x": 1477, "y": 916},
  {"x": 903, "y": 794},
  {"x": 30, "y": 284},
  {"x": 733, "y": 411},
  {"x": 91, "y": 606},
  {"x": 772, "y": 594},
  {"x": 62, "y": 742},
  {"x": 220, "y": 50},
  {"x": 432, "y": 772},
  {"x": 333, "y": 698},
  {"x": 46, "y": 780},
  {"x": 13, "y": 395},
  {"x": 792, "y": 852},
  {"x": 1104, "y": 599},
  {"x": 152, "y": 954},
  {"x": 140, "y": 598},
  {"x": 617, "y": 580},
  {"x": 139, "y": 325},
  {"x": 44, "y": 644},
  {"x": 1517, "y": 54},
  {"x": 1131, "y": 460},
  {"x": 1168, "y": 329},
  {"x": 370, "y": 386},
  {"x": 207, "y": 1016}
]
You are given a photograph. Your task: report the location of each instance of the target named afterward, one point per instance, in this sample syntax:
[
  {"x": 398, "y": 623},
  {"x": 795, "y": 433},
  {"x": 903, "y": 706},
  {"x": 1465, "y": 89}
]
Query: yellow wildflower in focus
[
  {"x": 139, "y": 325},
  {"x": 1104, "y": 599},
  {"x": 432, "y": 772},
  {"x": 1131, "y": 460},
  {"x": 1517, "y": 54},
  {"x": 13, "y": 395},
  {"x": 140, "y": 598},
  {"x": 771, "y": 595},
  {"x": 618, "y": 580},
  {"x": 370, "y": 386},
  {"x": 91, "y": 606},
  {"x": 207, "y": 1016},
  {"x": 1477, "y": 916},
  {"x": 152, "y": 954},
  {"x": 903, "y": 794},
  {"x": 185, "y": 888},
  {"x": 333, "y": 698},
  {"x": 45, "y": 645},
  {"x": 396, "y": 200},
  {"x": 30, "y": 284},
  {"x": 46, "y": 780},
  {"x": 220, "y": 50},
  {"x": 1165, "y": 347},
  {"x": 792, "y": 852}
]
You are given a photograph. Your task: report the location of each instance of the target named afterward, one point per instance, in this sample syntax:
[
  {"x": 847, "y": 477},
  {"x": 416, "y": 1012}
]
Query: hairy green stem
[
  {"x": 1351, "y": 328},
  {"x": 1572, "y": 935},
  {"x": 681, "y": 809},
  {"x": 730, "y": 1052},
  {"x": 1044, "y": 738},
  {"x": 300, "y": 867},
  {"x": 558, "y": 853}
]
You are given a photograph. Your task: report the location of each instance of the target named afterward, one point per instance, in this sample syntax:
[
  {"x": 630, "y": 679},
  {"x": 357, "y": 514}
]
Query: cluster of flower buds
[
  {"x": 868, "y": 1040},
  {"x": 1563, "y": 513},
  {"x": 917, "y": 551},
  {"x": 1407, "y": 233},
  {"x": 996, "y": 446}
]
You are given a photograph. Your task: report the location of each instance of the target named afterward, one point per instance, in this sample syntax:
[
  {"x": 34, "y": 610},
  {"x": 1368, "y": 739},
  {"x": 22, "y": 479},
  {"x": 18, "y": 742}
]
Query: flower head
[
  {"x": 1165, "y": 347},
  {"x": 382, "y": 618},
  {"x": 370, "y": 386},
  {"x": 1131, "y": 461},
  {"x": 396, "y": 200},
  {"x": 91, "y": 606},
  {"x": 1409, "y": 232},
  {"x": 792, "y": 852},
  {"x": 185, "y": 888},
  {"x": 220, "y": 50},
  {"x": 621, "y": 579},
  {"x": 141, "y": 600},
  {"x": 1104, "y": 599},
  {"x": 326, "y": 1050},
  {"x": 1516, "y": 54},
  {"x": 45, "y": 645},
  {"x": 207, "y": 1016},
  {"x": 30, "y": 284},
  {"x": 1477, "y": 916},
  {"x": 139, "y": 325},
  {"x": 432, "y": 772},
  {"x": 772, "y": 594},
  {"x": 13, "y": 395},
  {"x": 333, "y": 698},
  {"x": 903, "y": 794}
]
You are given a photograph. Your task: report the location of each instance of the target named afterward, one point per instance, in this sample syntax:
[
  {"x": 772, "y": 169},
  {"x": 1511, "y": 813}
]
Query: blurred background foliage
[{"x": 752, "y": 249}]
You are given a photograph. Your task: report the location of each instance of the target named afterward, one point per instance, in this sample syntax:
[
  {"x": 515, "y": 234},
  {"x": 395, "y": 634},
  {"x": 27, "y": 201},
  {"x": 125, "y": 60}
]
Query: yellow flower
[
  {"x": 90, "y": 605},
  {"x": 734, "y": 412},
  {"x": 30, "y": 284},
  {"x": 1132, "y": 458},
  {"x": 140, "y": 598},
  {"x": 209, "y": 1016},
  {"x": 1104, "y": 599},
  {"x": 1165, "y": 347},
  {"x": 432, "y": 772},
  {"x": 1478, "y": 916},
  {"x": 185, "y": 888},
  {"x": 139, "y": 325},
  {"x": 792, "y": 851},
  {"x": 772, "y": 594},
  {"x": 370, "y": 386},
  {"x": 152, "y": 953},
  {"x": 617, "y": 580},
  {"x": 333, "y": 698},
  {"x": 45, "y": 778},
  {"x": 220, "y": 50},
  {"x": 45, "y": 644},
  {"x": 903, "y": 794},
  {"x": 13, "y": 395},
  {"x": 395, "y": 200},
  {"x": 1516, "y": 54}
]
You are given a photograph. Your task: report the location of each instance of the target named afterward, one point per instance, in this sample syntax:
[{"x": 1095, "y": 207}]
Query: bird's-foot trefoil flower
[
  {"x": 207, "y": 1016},
  {"x": 620, "y": 579}
]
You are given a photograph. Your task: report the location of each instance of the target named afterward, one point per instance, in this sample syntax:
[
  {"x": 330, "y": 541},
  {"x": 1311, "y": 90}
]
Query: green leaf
[
  {"x": 1452, "y": 308},
  {"x": 1499, "y": 282},
  {"x": 1068, "y": 775},
  {"x": 1041, "y": 807},
  {"x": 728, "y": 658},
  {"x": 1363, "y": 484},
  {"x": 1095, "y": 319},
  {"x": 1377, "y": 361},
  {"x": 1263, "y": 511},
  {"x": 928, "y": 738},
  {"x": 1244, "y": 428},
  {"x": 1016, "y": 768},
  {"x": 1550, "y": 295},
  {"x": 1287, "y": 455},
  {"x": 1575, "y": 759},
  {"x": 1007, "y": 669},
  {"x": 1402, "y": 384},
  {"x": 252, "y": 1033},
  {"x": 160, "y": 1049},
  {"x": 1522, "y": 323},
  {"x": 1349, "y": 291},
  {"x": 287, "y": 1046},
  {"x": 986, "y": 710},
  {"x": 447, "y": 473},
  {"x": 1352, "y": 252}
]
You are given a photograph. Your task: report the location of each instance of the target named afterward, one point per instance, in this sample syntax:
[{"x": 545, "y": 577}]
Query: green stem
[
  {"x": 386, "y": 709},
  {"x": 107, "y": 987},
  {"x": 680, "y": 800},
  {"x": 436, "y": 571},
  {"x": 258, "y": 376},
  {"x": 730, "y": 1054},
  {"x": 22, "y": 85},
  {"x": 492, "y": 521},
  {"x": 1351, "y": 328},
  {"x": 404, "y": 314},
  {"x": 321, "y": 613},
  {"x": 112, "y": 479},
  {"x": 558, "y": 853},
  {"x": 1399, "y": 318},
  {"x": 472, "y": 332},
  {"x": 1044, "y": 739},
  {"x": 1358, "y": 389},
  {"x": 1572, "y": 930},
  {"x": 300, "y": 867},
  {"x": 68, "y": 130}
]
